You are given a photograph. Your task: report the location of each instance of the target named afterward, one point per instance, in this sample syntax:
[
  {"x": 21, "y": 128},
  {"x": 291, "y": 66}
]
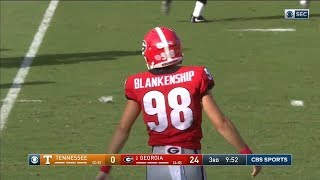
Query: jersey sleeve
[
  {"x": 129, "y": 89},
  {"x": 206, "y": 82}
]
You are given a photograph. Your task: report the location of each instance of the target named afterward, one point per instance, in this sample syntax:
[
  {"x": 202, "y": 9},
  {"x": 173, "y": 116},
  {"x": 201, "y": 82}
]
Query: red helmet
[{"x": 161, "y": 47}]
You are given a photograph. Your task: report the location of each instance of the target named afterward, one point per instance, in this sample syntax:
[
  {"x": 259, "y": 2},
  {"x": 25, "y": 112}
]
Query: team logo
[
  {"x": 128, "y": 159},
  {"x": 173, "y": 150},
  {"x": 34, "y": 159},
  {"x": 47, "y": 157},
  {"x": 144, "y": 47}
]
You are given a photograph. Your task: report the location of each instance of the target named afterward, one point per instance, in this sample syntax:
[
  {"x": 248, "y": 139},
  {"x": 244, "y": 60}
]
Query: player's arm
[
  {"x": 225, "y": 127},
  {"x": 121, "y": 134},
  {"x": 122, "y": 131},
  {"x": 222, "y": 124}
]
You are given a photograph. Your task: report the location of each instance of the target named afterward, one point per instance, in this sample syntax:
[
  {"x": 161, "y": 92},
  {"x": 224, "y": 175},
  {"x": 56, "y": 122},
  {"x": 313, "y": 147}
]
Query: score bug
[
  {"x": 213, "y": 160},
  {"x": 232, "y": 159},
  {"x": 194, "y": 160}
]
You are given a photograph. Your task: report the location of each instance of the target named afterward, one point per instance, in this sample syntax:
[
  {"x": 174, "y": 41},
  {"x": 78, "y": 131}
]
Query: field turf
[{"x": 90, "y": 48}]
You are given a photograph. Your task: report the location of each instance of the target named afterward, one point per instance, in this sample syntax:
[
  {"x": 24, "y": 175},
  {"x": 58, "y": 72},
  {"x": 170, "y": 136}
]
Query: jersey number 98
[{"x": 177, "y": 107}]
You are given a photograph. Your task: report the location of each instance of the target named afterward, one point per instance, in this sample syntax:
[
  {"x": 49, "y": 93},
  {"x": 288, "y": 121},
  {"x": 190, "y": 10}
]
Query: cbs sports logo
[
  {"x": 297, "y": 14},
  {"x": 34, "y": 159}
]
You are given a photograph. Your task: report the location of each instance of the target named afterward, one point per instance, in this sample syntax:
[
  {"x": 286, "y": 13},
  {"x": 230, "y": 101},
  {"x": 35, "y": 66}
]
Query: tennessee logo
[{"x": 173, "y": 150}]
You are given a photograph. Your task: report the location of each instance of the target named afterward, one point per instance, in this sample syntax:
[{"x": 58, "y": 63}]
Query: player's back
[{"x": 170, "y": 99}]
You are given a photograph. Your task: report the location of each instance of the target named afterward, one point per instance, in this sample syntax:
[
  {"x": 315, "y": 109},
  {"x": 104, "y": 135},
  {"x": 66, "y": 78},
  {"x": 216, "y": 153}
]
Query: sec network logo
[
  {"x": 34, "y": 159},
  {"x": 296, "y": 13}
]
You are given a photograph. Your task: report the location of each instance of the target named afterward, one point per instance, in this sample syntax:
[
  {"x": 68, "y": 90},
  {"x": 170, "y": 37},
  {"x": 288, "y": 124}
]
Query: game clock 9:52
[{"x": 232, "y": 159}]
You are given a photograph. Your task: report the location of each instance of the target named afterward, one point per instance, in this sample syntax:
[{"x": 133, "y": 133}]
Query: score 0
[{"x": 112, "y": 160}]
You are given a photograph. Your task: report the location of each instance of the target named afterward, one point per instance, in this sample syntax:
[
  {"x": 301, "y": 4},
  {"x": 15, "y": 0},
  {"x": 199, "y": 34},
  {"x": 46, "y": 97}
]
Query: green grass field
[{"x": 90, "y": 48}]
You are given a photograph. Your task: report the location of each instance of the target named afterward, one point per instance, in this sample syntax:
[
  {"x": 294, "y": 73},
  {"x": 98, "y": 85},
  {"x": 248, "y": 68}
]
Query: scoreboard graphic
[{"x": 160, "y": 159}]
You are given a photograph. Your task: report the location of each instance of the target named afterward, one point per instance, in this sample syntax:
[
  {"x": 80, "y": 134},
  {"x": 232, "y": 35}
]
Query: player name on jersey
[{"x": 163, "y": 80}]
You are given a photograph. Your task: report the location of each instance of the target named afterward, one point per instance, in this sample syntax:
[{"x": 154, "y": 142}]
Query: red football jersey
[{"x": 171, "y": 104}]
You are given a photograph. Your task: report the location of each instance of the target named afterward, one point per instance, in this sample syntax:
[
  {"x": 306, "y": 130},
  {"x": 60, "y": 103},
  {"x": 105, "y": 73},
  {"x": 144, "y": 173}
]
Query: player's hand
[
  {"x": 102, "y": 176},
  {"x": 256, "y": 170}
]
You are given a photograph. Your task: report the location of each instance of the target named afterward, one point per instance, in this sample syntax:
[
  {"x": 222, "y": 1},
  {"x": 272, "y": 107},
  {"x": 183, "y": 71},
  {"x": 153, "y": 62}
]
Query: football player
[
  {"x": 196, "y": 16},
  {"x": 305, "y": 3},
  {"x": 171, "y": 98}
]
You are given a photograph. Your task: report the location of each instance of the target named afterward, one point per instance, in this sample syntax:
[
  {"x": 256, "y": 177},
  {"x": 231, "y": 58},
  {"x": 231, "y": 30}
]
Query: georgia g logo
[
  {"x": 144, "y": 46},
  {"x": 173, "y": 150},
  {"x": 128, "y": 159}
]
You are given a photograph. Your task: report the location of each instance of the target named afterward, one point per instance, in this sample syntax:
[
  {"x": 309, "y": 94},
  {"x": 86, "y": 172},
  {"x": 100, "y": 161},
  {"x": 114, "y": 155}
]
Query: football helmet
[{"x": 161, "y": 47}]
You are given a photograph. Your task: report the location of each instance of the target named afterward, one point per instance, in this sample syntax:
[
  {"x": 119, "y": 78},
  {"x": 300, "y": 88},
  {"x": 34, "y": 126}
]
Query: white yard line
[
  {"x": 27, "y": 61},
  {"x": 267, "y": 30},
  {"x": 25, "y": 100}
]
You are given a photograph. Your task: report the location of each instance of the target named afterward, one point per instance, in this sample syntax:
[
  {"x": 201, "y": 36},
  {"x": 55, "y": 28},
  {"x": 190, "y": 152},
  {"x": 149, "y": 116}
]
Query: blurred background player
[
  {"x": 171, "y": 98},
  {"x": 305, "y": 3},
  {"x": 196, "y": 16},
  {"x": 165, "y": 7}
]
